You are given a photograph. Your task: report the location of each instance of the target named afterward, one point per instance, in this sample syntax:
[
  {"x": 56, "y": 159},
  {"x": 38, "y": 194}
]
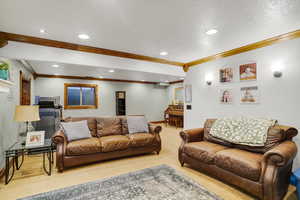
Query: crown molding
[
  {"x": 4, "y": 37},
  {"x": 249, "y": 47}
]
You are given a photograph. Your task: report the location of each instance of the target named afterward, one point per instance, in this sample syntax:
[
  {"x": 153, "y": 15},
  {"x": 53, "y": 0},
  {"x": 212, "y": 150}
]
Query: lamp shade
[{"x": 27, "y": 113}]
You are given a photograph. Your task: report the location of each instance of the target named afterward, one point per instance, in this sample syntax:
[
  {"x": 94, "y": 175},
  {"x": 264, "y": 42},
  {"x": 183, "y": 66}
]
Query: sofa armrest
[
  {"x": 154, "y": 129},
  {"x": 276, "y": 170},
  {"x": 59, "y": 137},
  {"x": 192, "y": 135},
  {"x": 281, "y": 154}
]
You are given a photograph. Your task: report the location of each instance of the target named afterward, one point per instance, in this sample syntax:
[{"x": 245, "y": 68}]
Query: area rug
[{"x": 156, "y": 183}]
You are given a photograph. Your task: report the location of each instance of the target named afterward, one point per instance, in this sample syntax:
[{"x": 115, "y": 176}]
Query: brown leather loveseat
[
  {"x": 260, "y": 171},
  {"x": 110, "y": 139}
]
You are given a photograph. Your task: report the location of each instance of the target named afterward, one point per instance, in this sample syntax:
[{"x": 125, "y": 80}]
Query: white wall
[
  {"x": 144, "y": 99},
  {"x": 279, "y": 97},
  {"x": 9, "y": 129}
]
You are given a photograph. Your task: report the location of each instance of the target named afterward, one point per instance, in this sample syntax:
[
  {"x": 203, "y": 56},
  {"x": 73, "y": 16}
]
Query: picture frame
[
  {"x": 226, "y": 96},
  {"x": 249, "y": 95},
  {"x": 35, "y": 138},
  {"x": 188, "y": 93},
  {"x": 226, "y": 75},
  {"x": 248, "y": 72}
]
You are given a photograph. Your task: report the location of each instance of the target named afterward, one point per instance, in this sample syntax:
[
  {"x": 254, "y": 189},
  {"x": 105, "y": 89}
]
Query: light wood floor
[{"x": 30, "y": 179}]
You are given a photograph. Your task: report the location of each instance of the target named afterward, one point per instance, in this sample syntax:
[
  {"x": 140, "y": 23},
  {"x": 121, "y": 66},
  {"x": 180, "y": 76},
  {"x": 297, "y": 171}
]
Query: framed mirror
[{"x": 178, "y": 95}]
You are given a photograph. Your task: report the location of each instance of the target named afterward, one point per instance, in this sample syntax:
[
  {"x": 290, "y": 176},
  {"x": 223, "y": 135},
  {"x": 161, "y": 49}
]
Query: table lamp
[{"x": 27, "y": 114}]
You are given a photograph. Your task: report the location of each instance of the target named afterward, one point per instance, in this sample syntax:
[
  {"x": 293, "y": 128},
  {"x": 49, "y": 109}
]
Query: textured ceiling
[{"x": 150, "y": 26}]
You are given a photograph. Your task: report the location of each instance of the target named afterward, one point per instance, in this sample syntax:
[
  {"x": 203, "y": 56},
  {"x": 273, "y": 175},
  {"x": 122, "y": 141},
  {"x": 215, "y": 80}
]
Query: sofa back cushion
[
  {"x": 124, "y": 125},
  {"x": 91, "y": 122},
  {"x": 109, "y": 126},
  {"x": 276, "y": 135}
]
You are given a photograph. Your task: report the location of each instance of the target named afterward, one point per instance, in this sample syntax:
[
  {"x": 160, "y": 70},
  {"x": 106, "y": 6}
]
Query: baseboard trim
[{"x": 157, "y": 122}]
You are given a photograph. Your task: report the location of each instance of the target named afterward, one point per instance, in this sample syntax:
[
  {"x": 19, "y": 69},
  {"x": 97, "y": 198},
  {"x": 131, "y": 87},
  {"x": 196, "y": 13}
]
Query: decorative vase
[{"x": 3, "y": 74}]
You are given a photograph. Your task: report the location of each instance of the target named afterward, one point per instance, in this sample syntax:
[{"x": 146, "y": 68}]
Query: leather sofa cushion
[
  {"x": 108, "y": 126},
  {"x": 91, "y": 121},
  {"x": 141, "y": 139},
  {"x": 124, "y": 125},
  {"x": 84, "y": 146},
  {"x": 114, "y": 143},
  {"x": 242, "y": 163},
  {"x": 203, "y": 151}
]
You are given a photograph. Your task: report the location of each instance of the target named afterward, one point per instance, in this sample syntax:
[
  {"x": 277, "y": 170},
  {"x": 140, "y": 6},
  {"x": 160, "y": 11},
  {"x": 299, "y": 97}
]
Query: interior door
[{"x": 25, "y": 90}]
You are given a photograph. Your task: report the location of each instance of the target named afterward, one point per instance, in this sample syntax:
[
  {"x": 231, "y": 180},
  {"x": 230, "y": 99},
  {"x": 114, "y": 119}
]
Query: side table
[{"x": 18, "y": 150}]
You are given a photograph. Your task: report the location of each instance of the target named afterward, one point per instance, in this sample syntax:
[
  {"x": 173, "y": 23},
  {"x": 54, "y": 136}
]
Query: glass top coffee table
[{"x": 19, "y": 150}]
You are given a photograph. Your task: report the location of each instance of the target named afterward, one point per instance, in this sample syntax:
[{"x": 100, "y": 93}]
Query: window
[{"x": 81, "y": 96}]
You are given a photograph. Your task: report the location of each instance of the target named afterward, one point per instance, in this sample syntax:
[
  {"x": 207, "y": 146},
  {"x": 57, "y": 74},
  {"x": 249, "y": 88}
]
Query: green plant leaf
[{"x": 4, "y": 66}]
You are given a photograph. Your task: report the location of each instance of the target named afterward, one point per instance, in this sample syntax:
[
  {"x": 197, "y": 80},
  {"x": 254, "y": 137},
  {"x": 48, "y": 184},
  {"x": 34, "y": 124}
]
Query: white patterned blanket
[{"x": 246, "y": 131}]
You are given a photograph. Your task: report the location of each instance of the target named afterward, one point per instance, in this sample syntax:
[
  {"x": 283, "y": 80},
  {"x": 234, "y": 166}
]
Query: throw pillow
[
  {"x": 76, "y": 130},
  {"x": 137, "y": 124}
]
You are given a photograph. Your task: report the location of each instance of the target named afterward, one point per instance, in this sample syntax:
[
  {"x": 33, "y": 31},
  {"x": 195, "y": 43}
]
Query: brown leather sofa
[
  {"x": 110, "y": 139},
  {"x": 263, "y": 172}
]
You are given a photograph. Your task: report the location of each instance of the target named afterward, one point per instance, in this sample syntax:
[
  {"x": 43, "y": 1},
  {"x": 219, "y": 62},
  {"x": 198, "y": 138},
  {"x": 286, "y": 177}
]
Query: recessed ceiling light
[
  {"x": 211, "y": 31},
  {"x": 100, "y": 76},
  {"x": 182, "y": 78},
  {"x": 56, "y": 74},
  {"x": 143, "y": 80},
  {"x": 163, "y": 53},
  {"x": 42, "y": 31},
  {"x": 55, "y": 65},
  {"x": 111, "y": 71},
  {"x": 84, "y": 36}
]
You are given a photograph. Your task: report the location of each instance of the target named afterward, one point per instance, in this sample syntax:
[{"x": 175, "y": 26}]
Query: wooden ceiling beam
[
  {"x": 174, "y": 82},
  {"x": 249, "y": 47},
  {"x": 83, "y": 48},
  {"x": 3, "y": 40},
  {"x": 90, "y": 78}
]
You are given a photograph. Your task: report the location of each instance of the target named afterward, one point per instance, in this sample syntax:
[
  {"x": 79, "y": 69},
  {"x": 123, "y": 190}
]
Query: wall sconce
[
  {"x": 277, "y": 71},
  {"x": 208, "y": 79},
  {"x": 277, "y": 74}
]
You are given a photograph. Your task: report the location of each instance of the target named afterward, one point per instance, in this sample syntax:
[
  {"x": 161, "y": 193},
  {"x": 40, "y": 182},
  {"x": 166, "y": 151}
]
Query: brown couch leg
[
  {"x": 182, "y": 164},
  {"x": 60, "y": 170}
]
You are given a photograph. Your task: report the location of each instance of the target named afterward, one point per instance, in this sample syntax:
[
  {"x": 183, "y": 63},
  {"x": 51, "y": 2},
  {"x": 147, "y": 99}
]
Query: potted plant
[{"x": 4, "y": 70}]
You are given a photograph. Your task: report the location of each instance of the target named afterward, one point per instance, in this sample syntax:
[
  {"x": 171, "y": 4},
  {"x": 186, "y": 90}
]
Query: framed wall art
[
  {"x": 226, "y": 75},
  {"x": 248, "y": 72},
  {"x": 226, "y": 96},
  {"x": 250, "y": 95}
]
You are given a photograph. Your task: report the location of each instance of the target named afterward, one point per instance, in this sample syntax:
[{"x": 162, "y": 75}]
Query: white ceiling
[
  {"x": 42, "y": 67},
  {"x": 150, "y": 26}
]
